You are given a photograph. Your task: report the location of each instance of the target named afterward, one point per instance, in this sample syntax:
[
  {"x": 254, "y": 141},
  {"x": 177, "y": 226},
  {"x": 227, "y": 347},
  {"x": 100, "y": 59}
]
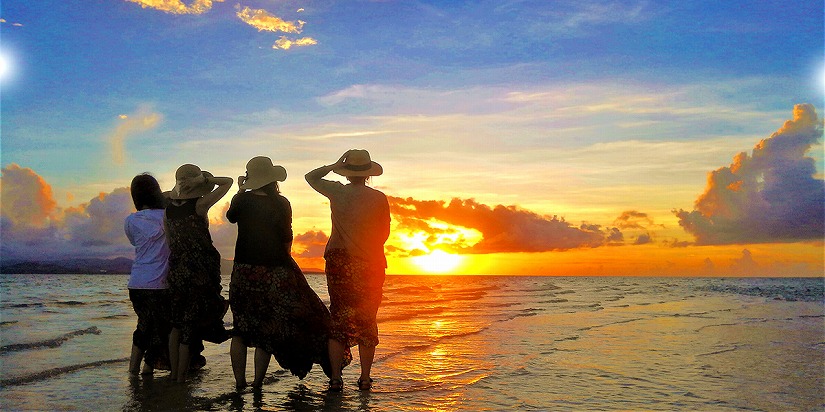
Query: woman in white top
[
  {"x": 355, "y": 261},
  {"x": 147, "y": 281}
]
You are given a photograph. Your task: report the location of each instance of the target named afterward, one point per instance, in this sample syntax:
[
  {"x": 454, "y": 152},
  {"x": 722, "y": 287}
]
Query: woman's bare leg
[
  {"x": 237, "y": 353},
  {"x": 174, "y": 346},
  {"x": 366, "y": 354},
  {"x": 135, "y": 359},
  {"x": 336, "y": 357},
  {"x": 183, "y": 362},
  {"x": 261, "y": 364}
]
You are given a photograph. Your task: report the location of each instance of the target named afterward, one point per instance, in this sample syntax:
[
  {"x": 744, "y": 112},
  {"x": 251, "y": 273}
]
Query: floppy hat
[
  {"x": 358, "y": 163},
  {"x": 260, "y": 172},
  {"x": 187, "y": 172}
]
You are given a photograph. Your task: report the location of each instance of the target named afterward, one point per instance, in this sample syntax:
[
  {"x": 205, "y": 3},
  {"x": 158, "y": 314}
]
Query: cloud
[
  {"x": 25, "y": 197},
  {"x": 99, "y": 222},
  {"x": 128, "y": 125},
  {"x": 264, "y": 21},
  {"x": 632, "y": 219},
  {"x": 177, "y": 6},
  {"x": 643, "y": 239},
  {"x": 770, "y": 196},
  {"x": 285, "y": 44},
  {"x": 311, "y": 244},
  {"x": 503, "y": 228},
  {"x": 34, "y": 227}
]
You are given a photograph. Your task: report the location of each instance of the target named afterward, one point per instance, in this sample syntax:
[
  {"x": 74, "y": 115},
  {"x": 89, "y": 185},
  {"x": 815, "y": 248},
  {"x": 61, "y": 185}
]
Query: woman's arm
[
  {"x": 208, "y": 200},
  {"x": 315, "y": 176}
]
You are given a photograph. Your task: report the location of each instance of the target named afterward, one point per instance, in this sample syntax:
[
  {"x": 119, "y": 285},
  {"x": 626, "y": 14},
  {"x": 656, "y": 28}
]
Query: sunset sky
[{"x": 517, "y": 137}]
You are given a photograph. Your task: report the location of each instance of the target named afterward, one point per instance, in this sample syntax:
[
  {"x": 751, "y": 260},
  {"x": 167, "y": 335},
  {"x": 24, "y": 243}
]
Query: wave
[
  {"x": 20, "y": 305},
  {"x": 411, "y": 315},
  {"x": 69, "y": 303},
  {"x": 791, "y": 290},
  {"x": 51, "y": 343},
  {"x": 51, "y": 373},
  {"x": 8, "y": 322}
]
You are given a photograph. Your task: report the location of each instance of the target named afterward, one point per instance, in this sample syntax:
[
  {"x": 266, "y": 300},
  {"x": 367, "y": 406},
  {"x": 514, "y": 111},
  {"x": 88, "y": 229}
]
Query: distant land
[{"x": 115, "y": 266}]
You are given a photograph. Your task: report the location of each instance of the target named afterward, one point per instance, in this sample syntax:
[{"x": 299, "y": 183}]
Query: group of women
[{"x": 175, "y": 284}]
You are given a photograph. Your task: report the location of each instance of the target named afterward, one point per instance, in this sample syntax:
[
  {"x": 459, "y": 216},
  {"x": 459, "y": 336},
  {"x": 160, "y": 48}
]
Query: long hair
[
  {"x": 271, "y": 189},
  {"x": 146, "y": 193}
]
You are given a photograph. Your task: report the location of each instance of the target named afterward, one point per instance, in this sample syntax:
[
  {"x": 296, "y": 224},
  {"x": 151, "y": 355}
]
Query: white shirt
[{"x": 146, "y": 232}]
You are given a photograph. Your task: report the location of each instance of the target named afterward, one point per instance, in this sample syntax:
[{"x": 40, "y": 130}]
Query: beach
[{"x": 455, "y": 343}]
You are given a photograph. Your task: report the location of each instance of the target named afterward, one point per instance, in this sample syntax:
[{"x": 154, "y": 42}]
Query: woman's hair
[
  {"x": 271, "y": 189},
  {"x": 358, "y": 179},
  {"x": 146, "y": 192}
]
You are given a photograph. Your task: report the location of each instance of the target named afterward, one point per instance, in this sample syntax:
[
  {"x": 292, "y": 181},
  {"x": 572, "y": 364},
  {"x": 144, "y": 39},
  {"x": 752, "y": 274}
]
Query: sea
[{"x": 454, "y": 343}]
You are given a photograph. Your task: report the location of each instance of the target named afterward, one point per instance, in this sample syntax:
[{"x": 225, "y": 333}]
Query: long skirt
[
  {"x": 275, "y": 309},
  {"x": 153, "y": 326},
  {"x": 355, "y": 292}
]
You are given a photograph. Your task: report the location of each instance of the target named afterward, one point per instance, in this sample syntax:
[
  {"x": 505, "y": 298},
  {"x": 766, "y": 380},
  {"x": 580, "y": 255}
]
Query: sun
[{"x": 438, "y": 261}]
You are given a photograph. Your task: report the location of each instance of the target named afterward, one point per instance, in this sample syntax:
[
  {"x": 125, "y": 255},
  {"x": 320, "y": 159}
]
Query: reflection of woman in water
[
  {"x": 147, "y": 281},
  {"x": 355, "y": 261},
  {"x": 194, "y": 265},
  {"x": 273, "y": 307}
]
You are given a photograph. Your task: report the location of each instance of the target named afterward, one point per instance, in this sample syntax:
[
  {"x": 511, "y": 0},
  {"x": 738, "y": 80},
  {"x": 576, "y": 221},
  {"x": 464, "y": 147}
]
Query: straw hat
[
  {"x": 260, "y": 172},
  {"x": 358, "y": 163},
  {"x": 186, "y": 188}
]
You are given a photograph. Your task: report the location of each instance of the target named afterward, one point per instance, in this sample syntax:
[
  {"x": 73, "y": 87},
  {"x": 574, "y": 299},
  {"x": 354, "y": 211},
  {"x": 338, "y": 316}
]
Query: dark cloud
[
  {"x": 632, "y": 219},
  {"x": 770, "y": 196},
  {"x": 311, "y": 244},
  {"x": 503, "y": 228},
  {"x": 643, "y": 239}
]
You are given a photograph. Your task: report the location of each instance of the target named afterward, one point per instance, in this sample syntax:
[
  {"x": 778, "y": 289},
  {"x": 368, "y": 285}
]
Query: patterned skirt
[
  {"x": 197, "y": 308},
  {"x": 275, "y": 309},
  {"x": 355, "y": 291},
  {"x": 153, "y": 326}
]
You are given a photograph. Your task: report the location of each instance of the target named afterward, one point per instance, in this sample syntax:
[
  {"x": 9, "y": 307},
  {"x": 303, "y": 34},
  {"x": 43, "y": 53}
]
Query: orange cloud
[
  {"x": 26, "y": 198},
  {"x": 264, "y": 21},
  {"x": 177, "y": 6},
  {"x": 770, "y": 196},
  {"x": 285, "y": 44},
  {"x": 503, "y": 228}
]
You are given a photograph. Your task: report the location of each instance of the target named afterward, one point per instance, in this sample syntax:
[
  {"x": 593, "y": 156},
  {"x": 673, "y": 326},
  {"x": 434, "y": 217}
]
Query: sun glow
[
  {"x": 438, "y": 261},
  {"x": 5, "y": 66}
]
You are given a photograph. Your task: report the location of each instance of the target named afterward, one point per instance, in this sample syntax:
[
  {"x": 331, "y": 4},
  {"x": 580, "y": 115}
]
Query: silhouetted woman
[
  {"x": 274, "y": 309},
  {"x": 355, "y": 261},
  {"x": 147, "y": 280},
  {"x": 194, "y": 266}
]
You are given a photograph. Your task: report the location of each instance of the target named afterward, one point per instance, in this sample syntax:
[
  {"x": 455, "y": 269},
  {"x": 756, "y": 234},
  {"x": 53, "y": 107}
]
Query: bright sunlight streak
[{"x": 438, "y": 261}]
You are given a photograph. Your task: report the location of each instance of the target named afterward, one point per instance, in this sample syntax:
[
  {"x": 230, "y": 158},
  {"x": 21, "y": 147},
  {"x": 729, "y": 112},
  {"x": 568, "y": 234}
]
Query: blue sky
[{"x": 582, "y": 109}]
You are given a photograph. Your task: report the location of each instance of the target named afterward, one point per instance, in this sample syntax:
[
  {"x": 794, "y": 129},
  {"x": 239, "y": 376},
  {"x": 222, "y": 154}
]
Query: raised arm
[
  {"x": 315, "y": 176},
  {"x": 208, "y": 200}
]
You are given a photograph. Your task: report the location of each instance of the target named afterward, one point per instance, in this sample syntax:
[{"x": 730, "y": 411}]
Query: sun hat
[
  {"x": 358, "y": 163},
  {"x": 186, "y": 190},
  {"x": 260, "y": 172}
]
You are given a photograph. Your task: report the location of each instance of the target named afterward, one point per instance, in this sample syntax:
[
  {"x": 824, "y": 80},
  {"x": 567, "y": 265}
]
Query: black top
[{"x": 264, "y": 229}]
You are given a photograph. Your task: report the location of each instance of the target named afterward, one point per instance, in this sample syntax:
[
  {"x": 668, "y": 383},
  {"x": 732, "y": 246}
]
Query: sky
[{"x": 651, "y": 138}]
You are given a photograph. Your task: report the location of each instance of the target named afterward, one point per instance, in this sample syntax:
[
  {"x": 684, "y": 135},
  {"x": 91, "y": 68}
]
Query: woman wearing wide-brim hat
[
  {"x": 274, "y": 309},
  {"x": 355, "y": 261},
  {"x": 194, "y": 265}
]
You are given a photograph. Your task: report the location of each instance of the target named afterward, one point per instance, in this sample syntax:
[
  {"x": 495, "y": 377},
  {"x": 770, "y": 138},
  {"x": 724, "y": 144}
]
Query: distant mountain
[
  {"x": 114, "y": 266},
  {"x": 118, "y": 265}
]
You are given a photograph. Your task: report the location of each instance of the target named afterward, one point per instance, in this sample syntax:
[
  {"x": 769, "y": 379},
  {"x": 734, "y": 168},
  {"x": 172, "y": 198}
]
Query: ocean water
[{"x": 455, "y": 343}]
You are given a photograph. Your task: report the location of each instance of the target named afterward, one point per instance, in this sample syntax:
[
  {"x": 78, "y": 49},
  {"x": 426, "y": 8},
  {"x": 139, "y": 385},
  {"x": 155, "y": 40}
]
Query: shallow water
[{"x": 455, "y": 343}]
